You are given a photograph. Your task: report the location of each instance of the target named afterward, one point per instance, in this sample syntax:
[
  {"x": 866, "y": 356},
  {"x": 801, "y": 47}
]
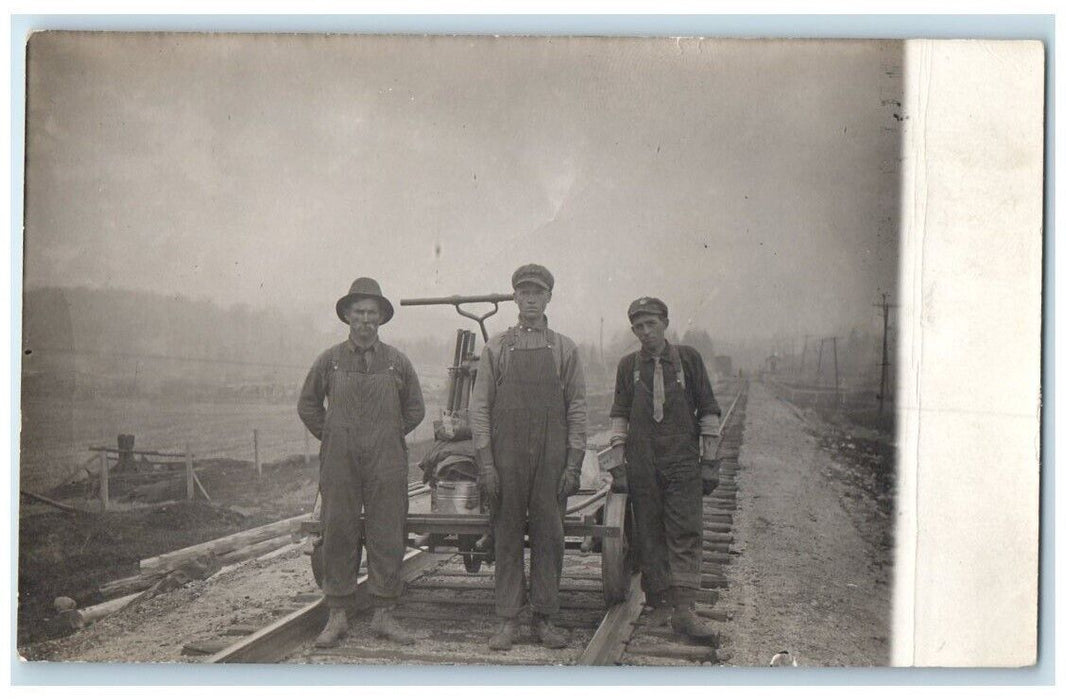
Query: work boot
[
  {"x": 336, "y": 629},
  {"x": 545, "y": 632},
  {"x": 503, "y": 638},
  {"x": 386, "y": 626},
  {"x": 659, "y": 609},
  {"x": 685, "y": 621}
]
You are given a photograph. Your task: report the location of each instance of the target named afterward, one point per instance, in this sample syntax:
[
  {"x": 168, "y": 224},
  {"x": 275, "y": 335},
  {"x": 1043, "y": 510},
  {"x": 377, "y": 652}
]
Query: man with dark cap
[
  {"x": 527, "y": 413},
  {"x": 666, "y": 415},
  {"x": 374, "y": 401}
]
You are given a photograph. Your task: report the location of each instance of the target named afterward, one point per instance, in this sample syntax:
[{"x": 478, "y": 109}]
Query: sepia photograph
[{"x": 495, "y": 351}]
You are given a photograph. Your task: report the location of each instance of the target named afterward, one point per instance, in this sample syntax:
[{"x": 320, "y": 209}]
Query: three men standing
[
  {"x": 374, "y": 400},
  {"x": 666, "y": 415},
  {"x": 528, "y": 418}
]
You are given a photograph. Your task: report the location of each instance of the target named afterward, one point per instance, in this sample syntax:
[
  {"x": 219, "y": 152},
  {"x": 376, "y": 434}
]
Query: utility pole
[
  {"x": 803, "y": 357},
  {"x": 885, "y": 306},
  {"x": 601, "y": 342},
  {"x": 836, "y": 370}
]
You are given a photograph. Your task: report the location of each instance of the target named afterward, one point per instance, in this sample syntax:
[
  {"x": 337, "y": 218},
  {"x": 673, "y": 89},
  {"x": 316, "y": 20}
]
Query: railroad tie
[
  {"x": 714, "y": 558},
  {"x": 713, "y": 581},
  {"x": 715, "y": 614},
  {"x": 205, "y": 647},
  {"x": 718, "y": 641},
  {"x": 707, "y": 596},
  {"x": 673, "y": 651},
  {"x": 576, "y": 586}
]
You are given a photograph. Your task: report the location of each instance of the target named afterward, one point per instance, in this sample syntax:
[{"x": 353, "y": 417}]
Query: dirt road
[{"x": 807, "y": 580}]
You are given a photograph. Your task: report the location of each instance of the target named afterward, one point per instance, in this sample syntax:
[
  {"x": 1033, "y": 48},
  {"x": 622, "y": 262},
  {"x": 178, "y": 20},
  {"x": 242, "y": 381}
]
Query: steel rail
[{"x": 608, "y": 642}]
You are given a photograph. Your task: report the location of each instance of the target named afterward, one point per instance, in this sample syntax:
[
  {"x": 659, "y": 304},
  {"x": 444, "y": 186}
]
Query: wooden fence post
[
  {"x": 104, "y": 494},
  {"x": 190, "y": 484},
  {"x": 255, "y": 444}
]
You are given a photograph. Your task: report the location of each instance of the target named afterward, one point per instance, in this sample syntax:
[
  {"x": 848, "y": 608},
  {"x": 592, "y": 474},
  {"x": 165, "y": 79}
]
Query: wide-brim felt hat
[{"x": 365, "y": 288}]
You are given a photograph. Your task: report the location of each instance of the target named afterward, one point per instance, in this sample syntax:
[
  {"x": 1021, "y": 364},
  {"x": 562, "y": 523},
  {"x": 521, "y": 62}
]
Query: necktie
[{"x": 658, "y": 396}]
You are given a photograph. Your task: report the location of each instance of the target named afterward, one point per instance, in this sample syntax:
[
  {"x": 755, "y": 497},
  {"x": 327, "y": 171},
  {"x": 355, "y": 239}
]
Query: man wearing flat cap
[
  {"x": 527, "y": 413},
  {"x": 374, "y": 400},
  {"x": 666, "y": 415}
]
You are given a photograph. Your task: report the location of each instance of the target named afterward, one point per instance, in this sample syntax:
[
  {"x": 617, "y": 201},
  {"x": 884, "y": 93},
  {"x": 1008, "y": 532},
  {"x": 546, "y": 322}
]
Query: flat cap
[
  {"x": 648, "y": 305},
  {"x": 537, "y": 274}
]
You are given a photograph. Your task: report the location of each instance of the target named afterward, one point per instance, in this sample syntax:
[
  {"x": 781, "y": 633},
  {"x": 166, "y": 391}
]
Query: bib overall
[
  {"x": 663, "y": 472},
  {"x": 529, "y": 448},
  {"x": 363, "y": 470}
]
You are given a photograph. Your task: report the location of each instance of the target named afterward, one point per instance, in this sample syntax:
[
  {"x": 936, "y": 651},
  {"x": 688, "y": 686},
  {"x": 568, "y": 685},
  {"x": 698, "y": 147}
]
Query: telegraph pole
[
  {"x": 836, "y": 369},
  {"x": 601, "y": 341},
  {"x": 885, "y": 306}
]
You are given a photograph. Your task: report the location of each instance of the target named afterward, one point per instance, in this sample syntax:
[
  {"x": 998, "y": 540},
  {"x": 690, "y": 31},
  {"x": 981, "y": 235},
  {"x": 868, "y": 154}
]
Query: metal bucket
[{"x": 455, "y": 497}]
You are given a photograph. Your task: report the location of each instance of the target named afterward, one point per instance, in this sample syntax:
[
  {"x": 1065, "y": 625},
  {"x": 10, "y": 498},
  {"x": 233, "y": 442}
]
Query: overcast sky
[{"x": 751, "y": 185}]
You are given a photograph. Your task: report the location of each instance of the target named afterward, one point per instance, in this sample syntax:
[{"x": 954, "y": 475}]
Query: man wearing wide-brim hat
[
  {"x": 528, "y": 417},
  {"x": 666, "y": 415},
  {"x": 374, "y": 400}
]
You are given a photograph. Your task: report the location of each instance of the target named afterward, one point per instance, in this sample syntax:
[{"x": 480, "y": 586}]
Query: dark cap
[
  {"x": 647, "y": 305},
  {"x": 537, "y": 274},
  {"x": 365, "y": 288}
]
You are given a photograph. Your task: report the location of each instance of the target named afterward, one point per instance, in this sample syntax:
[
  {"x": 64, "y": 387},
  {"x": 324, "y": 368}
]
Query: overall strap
[
  {"x": 393, "y": 357},
  {"x": 675, "y": 357}
]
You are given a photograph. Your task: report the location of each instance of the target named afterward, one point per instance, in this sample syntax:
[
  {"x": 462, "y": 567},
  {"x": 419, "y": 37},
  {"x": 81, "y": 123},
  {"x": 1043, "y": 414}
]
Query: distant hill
[{"x": 147, "y": 339}]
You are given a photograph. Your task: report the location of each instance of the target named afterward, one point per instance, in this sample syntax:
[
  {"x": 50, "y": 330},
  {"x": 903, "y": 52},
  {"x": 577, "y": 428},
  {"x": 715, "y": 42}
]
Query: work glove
[
  {"x": 489, "y": 485},
  {"x": 709, "y": 475},
  {"x": 488, "y": 479},
  {"x": 709, "y": 446},
  {"x": 570, "y": 481}
]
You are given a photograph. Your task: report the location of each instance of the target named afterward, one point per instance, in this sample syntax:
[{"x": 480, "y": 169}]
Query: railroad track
[{"x": 450, "y": 610}]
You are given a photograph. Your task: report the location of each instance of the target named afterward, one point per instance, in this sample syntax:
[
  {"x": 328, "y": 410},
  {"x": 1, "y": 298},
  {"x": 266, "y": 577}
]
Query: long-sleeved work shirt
[
  {"x": 378, "y": 358},
  {"x": 697, "y": 386},
  {"x": 493, "y": 365}
]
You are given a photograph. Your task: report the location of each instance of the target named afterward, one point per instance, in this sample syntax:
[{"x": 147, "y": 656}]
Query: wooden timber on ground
[
  {"x": 222, "y": 545},
  {"x": 77, "y": 619},
  {"x": 45, "y": 499}
]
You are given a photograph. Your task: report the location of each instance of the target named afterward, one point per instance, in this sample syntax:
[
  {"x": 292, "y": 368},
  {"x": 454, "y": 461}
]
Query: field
[{"x": 57, "y": 432}]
